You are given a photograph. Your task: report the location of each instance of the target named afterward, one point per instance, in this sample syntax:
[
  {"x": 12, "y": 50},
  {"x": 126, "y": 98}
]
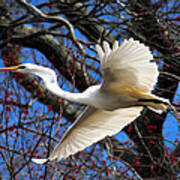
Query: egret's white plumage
[
  {"x": 86, "y": 131},
  {"x": 129, "y": 67},
  {"x": 129, "y": 77}
]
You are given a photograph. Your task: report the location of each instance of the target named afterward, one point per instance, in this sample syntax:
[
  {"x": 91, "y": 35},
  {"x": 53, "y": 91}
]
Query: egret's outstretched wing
[
  {"x": 92, "y": 126},
  {"x": 127, "y": 68}
]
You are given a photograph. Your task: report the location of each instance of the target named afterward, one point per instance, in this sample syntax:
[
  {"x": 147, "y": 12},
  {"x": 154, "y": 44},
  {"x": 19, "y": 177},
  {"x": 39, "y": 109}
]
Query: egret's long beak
[{"x": 12, "y": 68}]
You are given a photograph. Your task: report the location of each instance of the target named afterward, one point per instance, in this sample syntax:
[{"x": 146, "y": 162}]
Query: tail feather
[
  {"x": 158, "y": 108},
  {"x": 158, "y": 104},
  {"x": 155, "y": 103}
]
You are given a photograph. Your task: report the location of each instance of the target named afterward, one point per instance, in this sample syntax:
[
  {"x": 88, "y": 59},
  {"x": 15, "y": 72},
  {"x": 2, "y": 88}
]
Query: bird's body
[
  {"x": 96, "y": 97},
  {"x": 129, "y": 77}
]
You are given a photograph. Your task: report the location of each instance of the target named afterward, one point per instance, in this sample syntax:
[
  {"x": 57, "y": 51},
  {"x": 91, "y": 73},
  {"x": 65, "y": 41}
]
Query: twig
[
  {"x": 40, "y": 15},
  {"x": 171, "y": 75},
  {"x": 141, "y": 139}
]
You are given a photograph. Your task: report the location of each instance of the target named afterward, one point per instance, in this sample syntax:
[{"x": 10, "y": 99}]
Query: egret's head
[
  {"x": 22, "y": 68},
  {"x": 27, "y": 68},
  {"x": 45, "y": 73}
]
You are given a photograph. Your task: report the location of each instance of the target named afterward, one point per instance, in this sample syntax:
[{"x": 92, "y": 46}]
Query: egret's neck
[
  {"x": 81, "y": 98},
  {"x": 50, "y": 79}
]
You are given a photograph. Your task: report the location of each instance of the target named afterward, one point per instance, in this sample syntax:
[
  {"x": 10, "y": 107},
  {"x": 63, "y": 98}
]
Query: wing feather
[
  {"x": 128, "y": 68},
  {"x": 88, "y": 130},
  {"x": 92, "y": 126}
]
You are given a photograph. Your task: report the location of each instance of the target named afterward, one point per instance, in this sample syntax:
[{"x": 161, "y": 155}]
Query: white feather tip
[
  {"x": 115, "y": 45},
  {"x": 106, "y": 47},
  {"x": 99, "y": 51},
  {"x": 39, "y": 161}
]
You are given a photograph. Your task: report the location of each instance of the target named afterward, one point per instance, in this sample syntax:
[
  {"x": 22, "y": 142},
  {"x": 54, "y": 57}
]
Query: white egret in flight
[{"x": 129, "y": 77}]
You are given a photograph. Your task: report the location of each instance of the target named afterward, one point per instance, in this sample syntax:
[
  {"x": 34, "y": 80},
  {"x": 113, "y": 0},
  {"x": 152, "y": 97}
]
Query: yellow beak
[{"x": 13, "y": 68}]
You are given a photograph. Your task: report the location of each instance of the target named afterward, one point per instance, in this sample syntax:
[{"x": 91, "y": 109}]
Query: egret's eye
[{"x": 22, "y": 67}]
